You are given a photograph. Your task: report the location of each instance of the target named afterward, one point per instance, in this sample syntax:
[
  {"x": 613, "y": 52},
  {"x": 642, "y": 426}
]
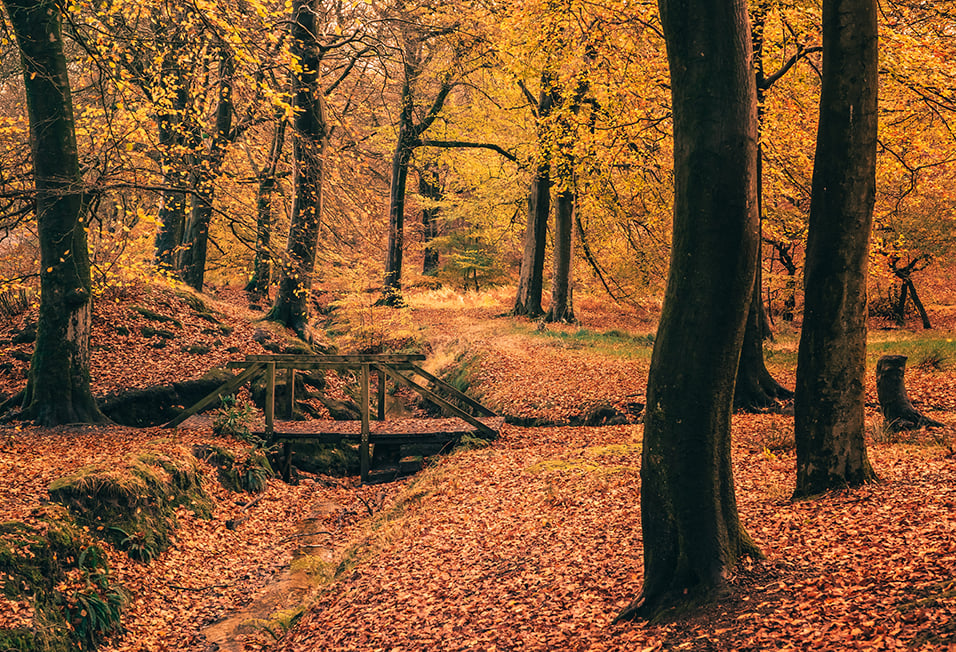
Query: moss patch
[{"x": 132, "y": 504}]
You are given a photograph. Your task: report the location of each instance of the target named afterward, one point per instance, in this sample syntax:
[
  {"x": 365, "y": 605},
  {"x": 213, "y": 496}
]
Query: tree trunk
[
  {"x": 561, "y": 309},
  {"x": 755, "y": 389},
  {"x": 924, "y": 318},
  {"x": 172, "y": 207},
  {"x": 396, "y": 216},
  {"x": 192, "y": 260},
  {"x": 430, "y": 189},
  {"x": 258, "y": 286},
  {"x": 901, "y": 304},
  {"x": 531, "y": 274},
  {"x": 692, "y": 534},
  {"x": 58, "y": 386},
  {"x": 310, "y": 127},
  {"x": 898, "y": 412},
  {"x": 828, "y": 424}
]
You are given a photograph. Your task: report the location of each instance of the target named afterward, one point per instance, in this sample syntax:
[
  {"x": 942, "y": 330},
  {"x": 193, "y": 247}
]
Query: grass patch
[
  {"x": 929, "y": 353},
  {"x": 613, "y": 342}
]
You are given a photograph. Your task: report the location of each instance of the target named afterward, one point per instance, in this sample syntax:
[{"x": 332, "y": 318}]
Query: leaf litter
[{"x": 534, "y": 542}]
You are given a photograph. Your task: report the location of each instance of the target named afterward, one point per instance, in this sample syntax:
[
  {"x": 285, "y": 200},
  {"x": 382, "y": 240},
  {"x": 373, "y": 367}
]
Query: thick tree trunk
[
  {"x": 430, "y": 189},
  {"x": 58, "y": 386},
  {"x": 192, "y": 260},
  {"x": 258, "y": 285},
  {"x": 310, "y": 127},
  {"x": 898, "y": 412},
  {"x": 561, "y": 309},
  {"x": 692, "y": 534},
  {"x": 829, "y": 425},
  {"x": 531, "y": 274}
]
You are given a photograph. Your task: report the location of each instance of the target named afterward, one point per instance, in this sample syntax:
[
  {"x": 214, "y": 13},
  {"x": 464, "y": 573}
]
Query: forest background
[
  {"x": 465, "y": 121},
  {"x": 273, "y": 147}
]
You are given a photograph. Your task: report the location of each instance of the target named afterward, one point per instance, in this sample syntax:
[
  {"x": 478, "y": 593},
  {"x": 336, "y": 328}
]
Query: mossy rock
[
  {"x": 194, "y": 301},
  {"x": 198, "y": 349},
  {"x": 132, "y": 504},
  {"x": 61, "y": 574},
  {"x": 208, "y": 316},
  {"x": 149, "y": 331},
  {"x": 247, "y": 471},
  {"x": 152, "y": 315}
]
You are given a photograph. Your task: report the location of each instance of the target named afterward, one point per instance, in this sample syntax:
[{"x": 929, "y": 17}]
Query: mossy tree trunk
[
  {"x": 310, "y": 139},
  {"x": 692, "y": 534},
  {"x": 58, "y": 386},
  {"x": 828, "y": 423}
]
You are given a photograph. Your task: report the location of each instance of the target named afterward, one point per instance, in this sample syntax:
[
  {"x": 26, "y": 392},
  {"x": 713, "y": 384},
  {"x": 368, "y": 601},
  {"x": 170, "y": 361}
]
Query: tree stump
[{"x": 898, "y": 412}]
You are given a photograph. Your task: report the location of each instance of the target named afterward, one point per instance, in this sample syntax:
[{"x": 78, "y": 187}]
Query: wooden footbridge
[{"x": 400, "y": 368}]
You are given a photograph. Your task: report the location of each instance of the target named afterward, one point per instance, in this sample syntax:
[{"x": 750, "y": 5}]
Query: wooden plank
[
  {"x": 270, "y": 406},
  {"x": 381, "y": 395},
  {"x": 458, "y": 412},
  {"x": 356, "y": 359},
  {"x": 352, "y": 430},
  {"x": 328, "y": 366},
  {"x": 459, "y": 395},
  {"x": 226, "y": 388},
  {"x": 290, "y": 380},
  {"x": 363, "y": 408}
]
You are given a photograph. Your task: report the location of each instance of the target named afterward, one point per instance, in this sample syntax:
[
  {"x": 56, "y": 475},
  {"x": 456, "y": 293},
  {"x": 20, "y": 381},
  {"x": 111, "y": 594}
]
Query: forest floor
[{"x": 532, "y": 542}]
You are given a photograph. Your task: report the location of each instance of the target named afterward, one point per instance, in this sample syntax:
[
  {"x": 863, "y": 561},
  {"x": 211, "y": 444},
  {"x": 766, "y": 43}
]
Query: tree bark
[
  {"x": 310, "y": 139},
  {"x": 172, "y": 207},
  {"x": 58, "y": 385},
  {"x": 258, "y": 285},
  {"x": 430, "y": 189},
  {"x": 755, "y": 389},
  {"x": 898, "y": 412},
  {"x": 829, "y": 424},
  {"x": 191, "y": 262},
  {"x": 692, "y": 534},
  {"x": 561, "y": 308},
  {"x": 409, "y": 137},
  {"x": 531, "y": 274}
]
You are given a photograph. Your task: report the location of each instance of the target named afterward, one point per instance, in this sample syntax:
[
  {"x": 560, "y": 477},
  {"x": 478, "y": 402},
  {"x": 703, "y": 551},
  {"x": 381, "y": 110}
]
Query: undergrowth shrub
[
  {"x": 62, "y": 578},
  {"x": 234, "y": 418},
  {"x": 248, "y": 470}
]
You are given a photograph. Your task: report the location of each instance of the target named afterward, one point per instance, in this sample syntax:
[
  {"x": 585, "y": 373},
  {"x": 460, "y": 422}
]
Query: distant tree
[
  {"x": 689, "y": 520},
  {"x": 310, "y": 137},
  {"x": 58, "y": 386},
  {"x": 829, "y": 425}
]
